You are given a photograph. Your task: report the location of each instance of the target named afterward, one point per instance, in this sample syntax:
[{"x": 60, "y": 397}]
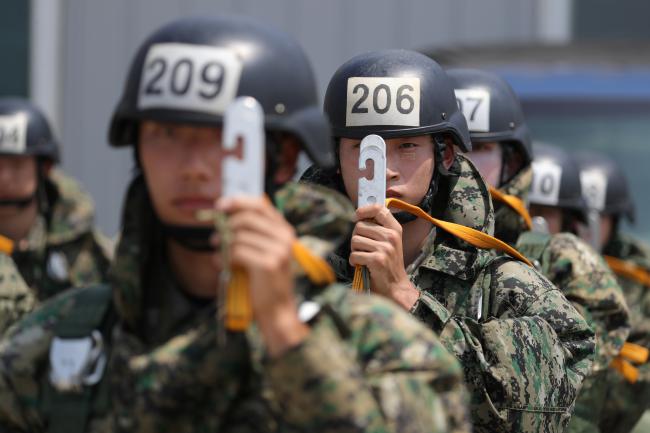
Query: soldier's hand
[
  {"x": 262, "y": 243},
  {"x": 377, "y": 244}
]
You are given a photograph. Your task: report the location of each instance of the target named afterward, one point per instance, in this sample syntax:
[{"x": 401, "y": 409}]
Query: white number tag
[
  {"x": 383, "y": 101},
  {"x": 13, "y": 133},
  {"x": 546, "y": 183},
  {"x": 189, "y": 77},
  {"x": 243, "y": 174},
  {"x": 475, "y": 106},
  {"x": 371, "y": 191},
  {"x": 594, "y": 189}
]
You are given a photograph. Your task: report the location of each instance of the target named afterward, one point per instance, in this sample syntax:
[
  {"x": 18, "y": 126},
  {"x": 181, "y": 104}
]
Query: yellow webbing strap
[
  {"x": 515, "y": 203},
  {"x": 469, "y": 235},
  {"x": 629, "y": 372},
  {"x": 239, "y": 312},
  {"x": 6, "y": 245},
  {"x": 629, "y": 270},
  {"x": 630, "y": 353}
]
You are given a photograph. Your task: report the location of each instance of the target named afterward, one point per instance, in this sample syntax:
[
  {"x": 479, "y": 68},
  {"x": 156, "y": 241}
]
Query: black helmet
[
  {"x": 604, "y": 185},
  {"x": 556, "y": 180},
  {"x": 394, "y": 93},
  {"x": 492, "y": 109},
  {"x": 189, "y": 70},
  {"x": 24, "y": 130}
]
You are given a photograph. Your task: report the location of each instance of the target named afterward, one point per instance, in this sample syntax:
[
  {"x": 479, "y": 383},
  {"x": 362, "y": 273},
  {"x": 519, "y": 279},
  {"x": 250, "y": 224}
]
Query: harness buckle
[{"x": 77, "y": 362}]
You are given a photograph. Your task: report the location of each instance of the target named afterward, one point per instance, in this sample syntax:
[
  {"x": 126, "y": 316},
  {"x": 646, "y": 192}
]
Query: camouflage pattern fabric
[
  {"x": 625, "y": 402},
  {"x": 585, "y": 279},
  {"x": 63, "y": 249},
  {"x": 524, "y": 348},
  {"x": 366, "y": 365},
  {"x": 15, "y": 296}
]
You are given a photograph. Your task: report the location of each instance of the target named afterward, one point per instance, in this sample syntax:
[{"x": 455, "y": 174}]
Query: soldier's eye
[{"x": 408, "y": 145}]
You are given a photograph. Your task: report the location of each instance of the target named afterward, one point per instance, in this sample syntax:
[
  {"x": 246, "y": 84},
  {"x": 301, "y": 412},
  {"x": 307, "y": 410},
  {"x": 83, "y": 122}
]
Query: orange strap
[
  {"x": 515, "y": 203},
  {"x": 469, "y": 235},
  {"x": 629, "y": 270},
  {"x": 629, "y": 372},
  {"x": 6, "y": 245},
  {"x": 630, "y": 353},
  {"x": 634, "y": 353},
  {"x": 239, "y": 312}
]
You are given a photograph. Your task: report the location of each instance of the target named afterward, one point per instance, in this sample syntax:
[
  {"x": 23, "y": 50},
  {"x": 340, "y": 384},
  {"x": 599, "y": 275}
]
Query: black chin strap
[
  {"x": 20, "y": 203},
  {"x": 193, "y": 238}
]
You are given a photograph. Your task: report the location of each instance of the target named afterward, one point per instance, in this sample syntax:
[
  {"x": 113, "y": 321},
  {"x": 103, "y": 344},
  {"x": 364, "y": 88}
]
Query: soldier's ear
[
  {"x": 287, "y": 161},
  {"x": 46, "y": 167},
  {"x": 448, "y": 155}
]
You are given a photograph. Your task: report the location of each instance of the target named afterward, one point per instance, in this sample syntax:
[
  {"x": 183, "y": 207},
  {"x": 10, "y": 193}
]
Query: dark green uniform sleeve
[{"x": 526, "y": 356}]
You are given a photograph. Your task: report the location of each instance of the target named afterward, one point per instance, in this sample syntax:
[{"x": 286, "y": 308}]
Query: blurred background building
[{"x": 582, "y": 67}]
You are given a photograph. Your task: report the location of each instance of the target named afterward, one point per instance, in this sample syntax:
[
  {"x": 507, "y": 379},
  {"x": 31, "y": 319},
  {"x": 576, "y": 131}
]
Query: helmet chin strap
[
  {"x": 192, "y": 238},
  {"x": 426, "y": 204},
  {"x": 20, "y": 203}
]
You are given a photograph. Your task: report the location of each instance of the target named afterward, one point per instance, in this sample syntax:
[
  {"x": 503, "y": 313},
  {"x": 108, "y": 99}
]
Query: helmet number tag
[
  {"x": 383, "y": 101},
  {"x": 545, "y": 189},
  {"x": 475, "y": 106},
  {"x": 372, "y": 190},
  {"x": 189, "y": 77},
  {"x": 594, "y": 188},
  {"x": 244, "y": 144},
  {"x": 13, "y": 133}
]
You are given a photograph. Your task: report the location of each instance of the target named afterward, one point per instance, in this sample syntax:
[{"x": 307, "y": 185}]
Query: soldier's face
[
  {"x": 18, "y": 180},
  {"x": 409, "y": 167},
  {"x": 487, "y": 157},
  {"x": 552, "y": 215},
  {"x": 182, "y": 168}
]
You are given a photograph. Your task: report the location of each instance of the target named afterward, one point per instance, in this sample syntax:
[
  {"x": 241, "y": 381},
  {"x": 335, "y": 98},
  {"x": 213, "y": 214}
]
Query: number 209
[{"x": 177, "y": 78}]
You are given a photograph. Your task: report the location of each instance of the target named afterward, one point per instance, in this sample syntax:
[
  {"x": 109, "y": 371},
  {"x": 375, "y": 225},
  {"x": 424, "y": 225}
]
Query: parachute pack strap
[
  {"x": 630, "y": 353},
  {"x": 317, "y": 270},
  {"x": 469, "y": 235},
  {"x": 634, "y": 353},
  {"x": 629, "y": 270},
  {"x": 69, "y": 412},
  {"x": 239, "y": 313},
  {"x": 6, "y": 245},
  {"x": 515, "y": 203}
]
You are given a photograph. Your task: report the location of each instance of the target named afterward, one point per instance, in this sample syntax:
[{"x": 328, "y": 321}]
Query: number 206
[{"x": 403, "y": 101}]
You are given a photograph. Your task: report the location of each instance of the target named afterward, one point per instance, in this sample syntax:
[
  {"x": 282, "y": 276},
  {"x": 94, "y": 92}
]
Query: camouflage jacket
[
  {"x": 60, "y": 251},
  {"x": 365, "y": 366},
  {"x": 576, "y": 269},
  {"x": 13, "y": 290},
  {"x": 625, "y": 402},
  {"x": 524, "y": 349}
]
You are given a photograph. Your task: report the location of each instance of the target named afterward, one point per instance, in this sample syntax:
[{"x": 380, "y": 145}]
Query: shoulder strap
[
  {"x": 627, "y": 269},
  {"x": 6, "y": 245},
  {"x": 514, "y": 202},
  {"x": 69, "y": 411},
  {"x": 533, "y": 245}
]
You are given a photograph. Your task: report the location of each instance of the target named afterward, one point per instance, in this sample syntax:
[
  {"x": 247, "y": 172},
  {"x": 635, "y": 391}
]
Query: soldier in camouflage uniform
[
  {"x": 317, "y": 358},
  {"x": 45, "y": 213},
  {"x": 524, "y": 349},
  {"x": 606, "y": 191},
  {"x": 502, "y": 152}
]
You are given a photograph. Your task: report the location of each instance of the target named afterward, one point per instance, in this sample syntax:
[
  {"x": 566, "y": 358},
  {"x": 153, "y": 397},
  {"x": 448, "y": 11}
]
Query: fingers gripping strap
[
  {"x": 239, "y": 312},
  {"x": 628, "y": 270},
  {"x": 515, "y": 203},
  {"x": 469, "y": 235},
  {"x": 6, "y": 245}
]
